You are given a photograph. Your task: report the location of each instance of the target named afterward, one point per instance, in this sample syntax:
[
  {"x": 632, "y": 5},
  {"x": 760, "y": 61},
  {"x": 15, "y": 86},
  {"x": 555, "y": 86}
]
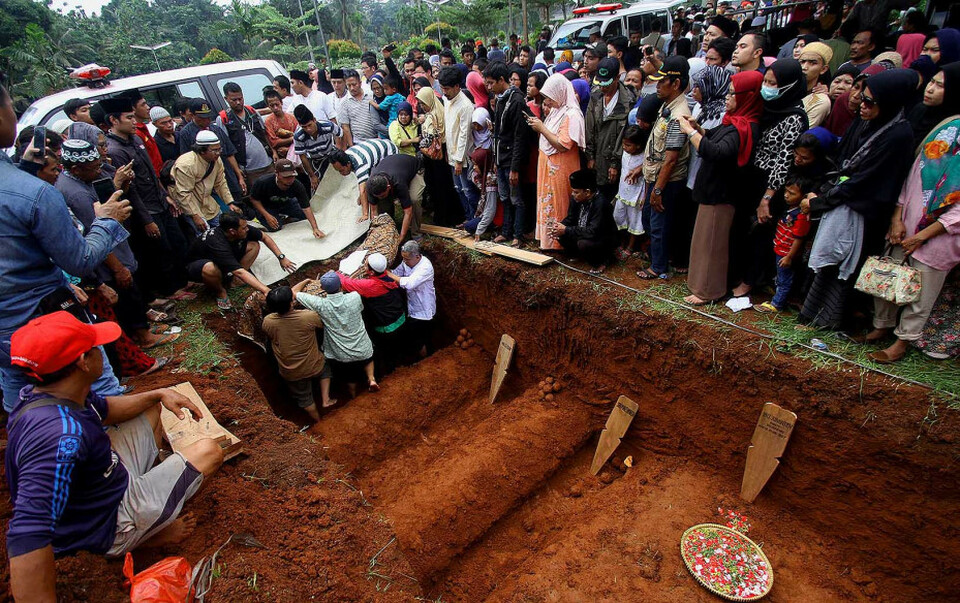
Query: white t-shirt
[{"x": 319, "y": 104}]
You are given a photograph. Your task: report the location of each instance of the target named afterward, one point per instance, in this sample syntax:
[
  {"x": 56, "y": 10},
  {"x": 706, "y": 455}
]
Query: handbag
[
  {"x": 888, "y": 279},
  {"x": 432, "y": 146}
]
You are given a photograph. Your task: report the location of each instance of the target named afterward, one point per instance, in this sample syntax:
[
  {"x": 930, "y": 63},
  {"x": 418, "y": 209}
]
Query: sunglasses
[{"x": 867, "y": 101}]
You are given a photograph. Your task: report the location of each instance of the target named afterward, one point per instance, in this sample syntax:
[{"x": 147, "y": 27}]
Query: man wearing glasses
[{"x": 197, "y": 176}]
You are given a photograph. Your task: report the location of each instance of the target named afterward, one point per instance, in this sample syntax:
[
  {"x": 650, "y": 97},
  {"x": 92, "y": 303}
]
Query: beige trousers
[{"x": 914, "y": 316}]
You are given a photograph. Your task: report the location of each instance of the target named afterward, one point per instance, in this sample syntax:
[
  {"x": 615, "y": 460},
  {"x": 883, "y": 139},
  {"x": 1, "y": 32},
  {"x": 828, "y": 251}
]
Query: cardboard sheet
[{"x": 335, "y": 207}]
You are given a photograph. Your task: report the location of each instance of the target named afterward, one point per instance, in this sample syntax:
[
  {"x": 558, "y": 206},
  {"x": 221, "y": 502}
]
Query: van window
[
  {"x": 164, "y": 96},
  {"x": 574, "y": 34},
  {"x": 252, "y": 85},
  {"x": 190, "y": 89},
  {"x": 614, "y": 28}
]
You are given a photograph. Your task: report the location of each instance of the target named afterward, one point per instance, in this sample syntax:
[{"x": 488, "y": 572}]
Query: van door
[{"x": 614, "y": 28}]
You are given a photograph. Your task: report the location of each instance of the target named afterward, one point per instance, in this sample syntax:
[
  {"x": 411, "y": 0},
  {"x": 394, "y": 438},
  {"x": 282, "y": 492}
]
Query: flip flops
[
  {"x": 766, "y": 308},
  {"x": 649, "y": 275},
  {"x": 159, "y": 364},
  {"x": 224, "y": 303},
  {"x": 157, "y": 316},
  {"x": 162, "y": 341}
]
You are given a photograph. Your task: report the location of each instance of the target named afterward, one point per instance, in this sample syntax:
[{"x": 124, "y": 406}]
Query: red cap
[{"x": 48, "y": 343}]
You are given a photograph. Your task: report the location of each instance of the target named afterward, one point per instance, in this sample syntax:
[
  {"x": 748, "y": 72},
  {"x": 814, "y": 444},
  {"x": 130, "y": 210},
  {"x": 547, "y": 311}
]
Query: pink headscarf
[
  {"x": 559, "y": 89},
  {"x": 909, "y": 46},
  {"x": 475, "y": 85}
]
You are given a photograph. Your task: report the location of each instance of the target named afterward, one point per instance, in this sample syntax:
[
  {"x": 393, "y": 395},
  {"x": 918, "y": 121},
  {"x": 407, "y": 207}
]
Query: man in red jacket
[
  {"x": 141, "y": 110},
  {"x": 385, "y": 308}
]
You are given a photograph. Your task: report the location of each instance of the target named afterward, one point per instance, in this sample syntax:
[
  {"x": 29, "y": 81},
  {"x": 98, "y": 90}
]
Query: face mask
[{"x": 770, "y": 93}]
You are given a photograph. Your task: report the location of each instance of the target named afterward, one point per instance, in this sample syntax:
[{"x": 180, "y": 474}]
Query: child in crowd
[
  {"x": 389, "y": 105},
  {"x": 811, "y": 155},
  {"x": 404, "y": 132},
  {"x": 792, "y": 230},
  {"x": 629, "y": 200}
]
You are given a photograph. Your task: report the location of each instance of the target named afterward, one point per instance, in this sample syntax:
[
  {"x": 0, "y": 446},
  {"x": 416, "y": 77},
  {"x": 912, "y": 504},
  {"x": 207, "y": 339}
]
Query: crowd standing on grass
[{"x": 736, "y": 158}]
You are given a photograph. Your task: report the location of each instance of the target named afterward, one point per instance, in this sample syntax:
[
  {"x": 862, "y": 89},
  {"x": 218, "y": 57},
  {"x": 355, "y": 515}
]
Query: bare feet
[
  {"x": 329, "y": 403},
  {"x": 374, "y": 387},
  {"x": 175, "y": 533},
  {"x": 362, "y": 219},
  {"x": 741, "y": 290},
  {"x": 693, "y": 300}
]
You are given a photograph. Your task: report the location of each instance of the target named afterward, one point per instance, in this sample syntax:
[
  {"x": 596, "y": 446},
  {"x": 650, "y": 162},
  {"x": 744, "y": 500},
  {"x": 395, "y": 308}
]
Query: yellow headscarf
[{"x": 427, "y": 99}]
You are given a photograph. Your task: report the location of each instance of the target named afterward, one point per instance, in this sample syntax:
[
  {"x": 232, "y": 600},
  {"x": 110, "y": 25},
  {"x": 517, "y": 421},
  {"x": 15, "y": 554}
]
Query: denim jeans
[
  {"x": 14, "y": 380},
  {"x": 290, "y": 208},
  {"x": 659, "y": 223},
  {"x": 469, "y": 195},
  {"x": 784, "y": 284},
  {"x": 513, "y": 207}
]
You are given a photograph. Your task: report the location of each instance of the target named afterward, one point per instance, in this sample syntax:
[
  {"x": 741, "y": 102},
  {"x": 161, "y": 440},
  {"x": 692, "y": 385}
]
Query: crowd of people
[{"x": 707, "y": 153}]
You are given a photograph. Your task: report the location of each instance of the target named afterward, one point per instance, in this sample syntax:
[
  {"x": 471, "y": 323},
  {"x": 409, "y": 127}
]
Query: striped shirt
[
  {"x": 316, "y": 148},
  {"x": 367, "y": 154},
  {"x": 360, "y": 115}
]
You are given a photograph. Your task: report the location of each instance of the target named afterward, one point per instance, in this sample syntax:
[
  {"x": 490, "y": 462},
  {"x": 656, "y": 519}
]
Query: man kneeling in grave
[{"x": 81, "y": 468}]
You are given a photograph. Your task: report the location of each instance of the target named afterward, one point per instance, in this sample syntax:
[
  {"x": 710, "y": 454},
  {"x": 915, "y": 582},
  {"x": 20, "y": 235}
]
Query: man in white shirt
[
  {"x": 415, "y": 276},
  {"x": 458, "y": 127},
  {"x": 339, "y": 83},
  {"x": 303, "y": 94}
]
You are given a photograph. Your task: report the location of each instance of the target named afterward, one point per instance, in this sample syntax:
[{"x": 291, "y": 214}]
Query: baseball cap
[
  {"x": 673, "y": 67},
  {"x": 201, "y": 107},
  {"x": 607, "y": 71},
  {"x": 285, "y": 166},
  {"x": 48, "y": 343}
]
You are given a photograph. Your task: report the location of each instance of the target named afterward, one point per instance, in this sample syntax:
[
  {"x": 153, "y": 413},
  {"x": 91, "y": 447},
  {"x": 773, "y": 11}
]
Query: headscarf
[
  {"x": 940, "y": 171},
  {"x": 428, "y": 103},
  {"x": 924, "y": 119},
  {"x": 909, "y": 46},
  {"x": 746, "y": 86},
  {"x": 566, "y": 56},
  {"x": 481, "y": 115},
  {"x": 582, "y": 88},
  {"x": 790, "y": 76},
  {"x": 713, "y": 83},
  {"x": 559, "y": 89},
  {"x": 892, "y": 90},
  {"x": 808, "y": 38},
  {"x": 478, "y": 90},
  {"x": 405, "y": 106},
  {"x": 840, "y": 116},
  {"x": 81, "y": 130},
  {"x": 847, "y": 69},
  {"x": 562, "y": 66},
  {"x": 949, "y": 39}
]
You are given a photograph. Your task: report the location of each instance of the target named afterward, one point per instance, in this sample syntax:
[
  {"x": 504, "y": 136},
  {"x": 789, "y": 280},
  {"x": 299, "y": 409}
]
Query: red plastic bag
[{"x": 167, "y": 581}]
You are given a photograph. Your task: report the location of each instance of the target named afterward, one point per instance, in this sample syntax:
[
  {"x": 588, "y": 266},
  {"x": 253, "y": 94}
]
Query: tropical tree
[{"x": 40, "y": 64}]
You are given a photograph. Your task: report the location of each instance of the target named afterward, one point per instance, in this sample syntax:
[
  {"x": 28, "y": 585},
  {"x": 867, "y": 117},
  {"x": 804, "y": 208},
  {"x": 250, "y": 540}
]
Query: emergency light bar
[
  {"x": 597, "y": 8},
  {"x": 90, "y": 73}
]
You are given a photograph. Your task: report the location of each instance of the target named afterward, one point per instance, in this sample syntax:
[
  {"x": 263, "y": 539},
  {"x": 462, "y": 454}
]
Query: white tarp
[{"x": 335, "y": 207}]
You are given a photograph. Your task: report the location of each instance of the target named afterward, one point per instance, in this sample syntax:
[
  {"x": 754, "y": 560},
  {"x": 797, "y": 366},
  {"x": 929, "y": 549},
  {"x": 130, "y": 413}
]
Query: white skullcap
[
  {"x": 377, "y": 262},
  {"x": 158, "y": 112},
  {"x": 60, "y": 126},
  {"x": 206, "y": 137}
]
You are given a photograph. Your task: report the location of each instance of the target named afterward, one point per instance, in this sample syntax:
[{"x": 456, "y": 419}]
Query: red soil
[{"x": 495, "y": 502}]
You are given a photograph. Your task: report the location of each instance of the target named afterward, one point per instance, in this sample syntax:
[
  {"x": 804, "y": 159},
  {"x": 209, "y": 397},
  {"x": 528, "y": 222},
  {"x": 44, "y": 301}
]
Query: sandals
[
  {"x": 157, "y": 316},
  {"x": 164, "y": 329},
  {"x": 597, "y": 271},
  {"x": 162, "y": 341},
  {"x": 224, "y": 304},
  {"x": 766, "y": 308},
  {"x": 159, "y": 364},
  {"x": 623, "y": 255},
  {"x": 648, "y": 274},
  {"x": 183, "y": 295},
  {"x": 881, "y": 357}
]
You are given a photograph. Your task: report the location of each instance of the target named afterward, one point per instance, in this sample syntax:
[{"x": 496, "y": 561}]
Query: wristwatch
[
  {"x": 657, "y": 190},
  {"x": 281, "y": 257}
]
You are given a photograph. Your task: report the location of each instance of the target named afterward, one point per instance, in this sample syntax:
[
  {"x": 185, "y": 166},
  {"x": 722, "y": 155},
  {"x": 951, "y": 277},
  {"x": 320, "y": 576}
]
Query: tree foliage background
[{"x": 39, "y": 40}]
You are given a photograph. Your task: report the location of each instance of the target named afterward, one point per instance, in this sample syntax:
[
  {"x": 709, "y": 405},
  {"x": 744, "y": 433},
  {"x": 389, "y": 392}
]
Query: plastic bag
[{"x": 167, "y": 581}]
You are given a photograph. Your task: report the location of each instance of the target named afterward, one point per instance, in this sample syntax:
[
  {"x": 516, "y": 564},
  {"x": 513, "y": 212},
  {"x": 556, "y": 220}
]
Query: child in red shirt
[{"x": 792, "y": 229}]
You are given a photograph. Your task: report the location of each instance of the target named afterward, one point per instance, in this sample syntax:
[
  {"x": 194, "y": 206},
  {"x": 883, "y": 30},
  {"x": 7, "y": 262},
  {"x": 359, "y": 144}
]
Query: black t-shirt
[
  {"x": 266, "y": 191},
  {"x": 214, "y": 246},
  {"x": 169, "y": 151},
  {"x": 401, "y": 169}
]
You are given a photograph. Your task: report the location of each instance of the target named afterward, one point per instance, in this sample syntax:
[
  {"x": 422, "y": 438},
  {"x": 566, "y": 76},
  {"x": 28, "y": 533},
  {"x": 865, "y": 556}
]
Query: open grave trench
[{"x": 496, "y": 502}]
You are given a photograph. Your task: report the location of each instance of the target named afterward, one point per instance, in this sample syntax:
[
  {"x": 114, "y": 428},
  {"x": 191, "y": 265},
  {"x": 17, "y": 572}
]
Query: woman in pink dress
[{"x": 561, "y": 137}]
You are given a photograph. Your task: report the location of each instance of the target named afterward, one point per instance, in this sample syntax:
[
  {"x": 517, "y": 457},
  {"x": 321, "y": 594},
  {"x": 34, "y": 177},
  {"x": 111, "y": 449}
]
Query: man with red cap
[{"x": 81, "y": 467}]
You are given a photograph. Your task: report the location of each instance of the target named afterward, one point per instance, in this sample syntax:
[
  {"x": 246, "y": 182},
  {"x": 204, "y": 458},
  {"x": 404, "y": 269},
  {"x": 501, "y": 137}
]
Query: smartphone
[
  {"x": 526, "y": 110},
  {"x": 104, "y": 188},
  {"x": 40, "y": 139}
]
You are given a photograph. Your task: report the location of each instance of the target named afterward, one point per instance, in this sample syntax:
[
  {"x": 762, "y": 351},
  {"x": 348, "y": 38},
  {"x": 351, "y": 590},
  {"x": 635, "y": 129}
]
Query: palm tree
[{"x": 41, "y": 63}]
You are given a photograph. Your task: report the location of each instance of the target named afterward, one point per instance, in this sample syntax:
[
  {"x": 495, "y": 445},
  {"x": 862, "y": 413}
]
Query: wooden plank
[
  {"x": 766, "y": 447},
  {"x": 183, "y": 432},
  {"x": 617, "y": 424},
  {"x": 530, "y": 257},
  {"x": 440, "y": 231},
  {"x": 504, "y": 356}
]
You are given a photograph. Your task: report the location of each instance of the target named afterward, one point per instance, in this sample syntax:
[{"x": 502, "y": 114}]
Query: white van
[
  {"x": 165, "y": 87},
  {"x": 610, "y": 20}
]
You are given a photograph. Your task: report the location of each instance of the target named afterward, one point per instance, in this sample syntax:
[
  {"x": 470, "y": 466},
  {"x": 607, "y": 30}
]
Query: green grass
[
  {"x": 203, "y": 352},
  {"x": 942, "y": 377}
]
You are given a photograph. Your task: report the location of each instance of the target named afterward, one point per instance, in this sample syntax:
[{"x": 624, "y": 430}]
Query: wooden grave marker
[
  {"x": 766, "y": 447},
  {"x": 183, "y": 432},
  {"x": 504, "y": 356},
  {"x": 617, "y": 424}
]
